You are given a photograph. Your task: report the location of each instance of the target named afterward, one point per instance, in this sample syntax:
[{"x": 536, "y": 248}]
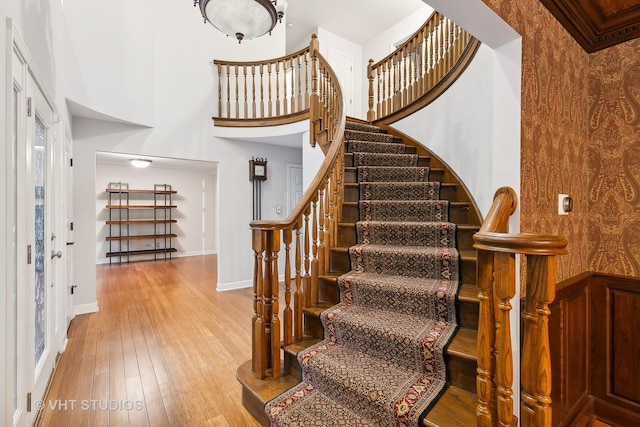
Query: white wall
[
  {"x": 195, "y": 212},
  {"x": 463, "y": 140},
  {"x": 330, "y": 42}
]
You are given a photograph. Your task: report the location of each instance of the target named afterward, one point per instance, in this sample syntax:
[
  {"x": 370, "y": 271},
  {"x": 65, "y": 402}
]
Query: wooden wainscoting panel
[
  {"x": 624, "y": 308},
  {"x": 615, "y": 348},
  {"x": 569, "y": 340}
]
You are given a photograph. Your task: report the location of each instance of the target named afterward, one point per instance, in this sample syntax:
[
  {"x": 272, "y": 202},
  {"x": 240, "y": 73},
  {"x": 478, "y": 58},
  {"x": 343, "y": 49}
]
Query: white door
[
  {"x": 35, "y": 327},
  {"x": 40, "y": 236},
  {"x": 294, "y": 186},
  {"x": 343, "y": 66}
]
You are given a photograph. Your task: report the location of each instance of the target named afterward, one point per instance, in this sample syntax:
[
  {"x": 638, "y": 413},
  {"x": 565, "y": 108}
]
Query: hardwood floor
[{"x": 162, "y": 351}]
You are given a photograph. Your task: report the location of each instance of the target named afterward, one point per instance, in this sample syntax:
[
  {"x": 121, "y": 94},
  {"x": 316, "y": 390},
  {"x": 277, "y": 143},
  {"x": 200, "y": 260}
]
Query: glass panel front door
[{"x": 39, "y": 170}]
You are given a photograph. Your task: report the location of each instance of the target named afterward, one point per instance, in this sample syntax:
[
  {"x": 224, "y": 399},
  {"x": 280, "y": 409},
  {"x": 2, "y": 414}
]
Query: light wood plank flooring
[{"x": 162, "y": 351}]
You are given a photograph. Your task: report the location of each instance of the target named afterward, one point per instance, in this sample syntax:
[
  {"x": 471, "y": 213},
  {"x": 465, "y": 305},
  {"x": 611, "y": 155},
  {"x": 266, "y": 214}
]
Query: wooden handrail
[
  {"x": 419, "y": 70},
  {"x": 263, "y": 93},
  {"x": 496, "y": 278},
  {"x": 307, "y": 233}
]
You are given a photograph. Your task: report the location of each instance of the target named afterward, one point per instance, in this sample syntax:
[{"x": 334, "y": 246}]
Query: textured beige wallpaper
[{"x": 614, "y": 160}]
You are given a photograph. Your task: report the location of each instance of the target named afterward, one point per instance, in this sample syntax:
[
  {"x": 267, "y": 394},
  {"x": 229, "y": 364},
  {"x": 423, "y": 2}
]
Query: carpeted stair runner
[{"x": 382, "y": 360}]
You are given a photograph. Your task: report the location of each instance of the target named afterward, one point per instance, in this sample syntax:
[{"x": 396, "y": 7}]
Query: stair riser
[
  {"x": 462, "y": 372},
  {"x": 468, "y": 314},
  {"x": 465, "y": 238},
  {"x": 351, "y": 193},
  {"x": 291, "y": 365},
  {"x": 459, "y": 214},
  {"x": 449, "y": 193},
  {"x": 468, "y": 271},
  {"x": 339, "y": 262},
  {"x": 329, "y": 291},
  {"x": 313, "y": 326}
]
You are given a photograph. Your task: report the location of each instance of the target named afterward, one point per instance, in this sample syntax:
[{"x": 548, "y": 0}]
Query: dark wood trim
[
  {"x": 614, "y": 414},
  {"x": 593, "y": 24}
]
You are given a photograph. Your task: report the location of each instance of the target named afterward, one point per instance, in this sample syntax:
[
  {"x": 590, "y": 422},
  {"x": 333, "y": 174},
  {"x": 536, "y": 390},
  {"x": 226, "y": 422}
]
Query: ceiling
[
  {"x": 598, "y": 24},
  {"x": 355, "y": 20},
  {"x": 122, "y": 159}
]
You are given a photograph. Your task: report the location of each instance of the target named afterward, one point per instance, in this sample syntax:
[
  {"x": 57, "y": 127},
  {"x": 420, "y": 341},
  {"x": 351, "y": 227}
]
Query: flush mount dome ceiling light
[
  {"x": 243, "y": 19},
  {"x": 140, "y": 163}
]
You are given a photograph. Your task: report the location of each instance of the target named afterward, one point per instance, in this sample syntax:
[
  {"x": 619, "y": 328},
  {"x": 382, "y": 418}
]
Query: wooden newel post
[
  {"x": 371, "y": 114},
  {"x": 259, "y": 348}
]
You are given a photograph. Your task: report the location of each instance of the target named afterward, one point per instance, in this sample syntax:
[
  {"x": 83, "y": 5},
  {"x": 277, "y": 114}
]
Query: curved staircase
[{"x": 405, "y": 268}]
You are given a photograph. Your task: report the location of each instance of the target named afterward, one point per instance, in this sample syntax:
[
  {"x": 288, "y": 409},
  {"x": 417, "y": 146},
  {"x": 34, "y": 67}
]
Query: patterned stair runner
[{"x": 382, "y": 360}]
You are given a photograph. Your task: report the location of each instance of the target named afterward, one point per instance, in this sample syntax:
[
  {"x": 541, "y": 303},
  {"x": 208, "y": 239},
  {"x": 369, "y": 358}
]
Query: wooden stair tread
[
  {"x": 256, "y": 393},
  {"x": 468, "y": 255},
  {"x": 468, "y": 292},
  {"x": 298, "y": 346},
  {"x": 316, "y": 309},
  {"x": 464, "y": 344},
  {"x": 456, "y": 408}
]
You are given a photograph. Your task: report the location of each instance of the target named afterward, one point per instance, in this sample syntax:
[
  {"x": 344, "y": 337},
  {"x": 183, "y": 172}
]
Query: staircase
[{"x": 457, "y": 404}]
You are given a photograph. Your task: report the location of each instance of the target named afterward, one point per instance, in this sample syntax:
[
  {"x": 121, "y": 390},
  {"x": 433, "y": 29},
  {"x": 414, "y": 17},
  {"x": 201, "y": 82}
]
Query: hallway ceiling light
[
  {"x": 244, "y": 19},
  {"x": 140, "y": 163}
]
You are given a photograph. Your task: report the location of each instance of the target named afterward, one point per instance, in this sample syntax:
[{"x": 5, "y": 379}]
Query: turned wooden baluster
[
  {"x": 246, "y": 93},
  {"x": 306, "y": 283},
  {"x": 505, "y": 290},
  {"x": 253, "y": 92},
  {"x": 326, "y": 229},
  {"x": 271, "y": 305},
  {"x": 314, "y": 250},
  {"x": 321, "y": 231},
  {"x": 269, "y": 99},
  {"x": 536, "y": 359},
  {"x": 259, "y": 343},
  {"x": 237, "y": 103},
  {"x": 277, "y": 78},
  {"x": 298, "y": 300},
  {"x": 486, "y": 340},
  {"x": 220, "y": 112},
  {"x": 261, "y": 91},
  {"x": 228, "y": 91},
  {"x": 287, "y": 314}
]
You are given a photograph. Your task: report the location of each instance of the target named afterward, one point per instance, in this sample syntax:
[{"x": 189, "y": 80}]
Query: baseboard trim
[
  {"x": 231, "y": 286},
  {"x": 86, "y": 308},
  {"x": 613, "y": 414}
]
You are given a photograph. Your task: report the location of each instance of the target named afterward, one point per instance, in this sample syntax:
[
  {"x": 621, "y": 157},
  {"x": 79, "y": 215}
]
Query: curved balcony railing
[
  {"x": 307, "y": 233},
  {"x": 264, "y": 93},
  {"x": 419, "y": 70}
]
